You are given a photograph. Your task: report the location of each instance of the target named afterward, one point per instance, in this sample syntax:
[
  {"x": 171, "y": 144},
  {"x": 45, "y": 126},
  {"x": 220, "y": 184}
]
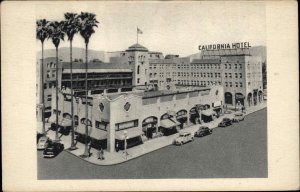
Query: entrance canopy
[
  {"x": 98, "y": 134},
  {"x": 168, "y": 123},
  {"x": 52, "y": 119},
  {"x": 132, "y": 132},
  {"x": 207, "y": 112},
  {"x": 81, "y": 129},
  {"x": 65, "y": 122}
]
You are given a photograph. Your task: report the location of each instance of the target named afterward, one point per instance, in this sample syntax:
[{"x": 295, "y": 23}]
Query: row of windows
[
  {"x": 202, "y": 83},
  {"x": 228, "y": 66},
  {"x": 206, "y": 66},
  {"x": 229, "y": 84},
  {"x": 197, "y": 74},
  {"x": 236, "y": 75},
  {"x": 51, "y": 65}
]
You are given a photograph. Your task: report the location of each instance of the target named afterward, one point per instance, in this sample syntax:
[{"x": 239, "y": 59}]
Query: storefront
[
  {"x": 207, "y": 115},
  {"x": 131, "y": 136},
  {"x": 80, "y": 133},
  {"x": 150, "y": 126},
  {"x": 98, "y": 138},
  {"x": 169, "y": 126},
  {"x": 217, "y": 107},
  {"x": 239, "y": 98},
  {"x": 181, "y": 117},
  {"x": 194, "y": 115}
]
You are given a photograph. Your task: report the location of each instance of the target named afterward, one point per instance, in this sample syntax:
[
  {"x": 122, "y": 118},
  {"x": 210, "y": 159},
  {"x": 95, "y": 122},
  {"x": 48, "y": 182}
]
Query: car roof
[{"x": 184, "y": 133}]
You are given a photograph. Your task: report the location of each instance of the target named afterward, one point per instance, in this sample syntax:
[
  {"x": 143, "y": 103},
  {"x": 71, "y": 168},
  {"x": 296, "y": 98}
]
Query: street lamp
[{"x": 125, "y": 143}]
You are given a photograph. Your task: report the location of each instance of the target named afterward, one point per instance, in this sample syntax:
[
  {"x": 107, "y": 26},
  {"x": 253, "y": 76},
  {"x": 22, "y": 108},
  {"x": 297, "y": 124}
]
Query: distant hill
[
  {"x": 255, "y": 51},
  {"x": 77, "y": 53}
]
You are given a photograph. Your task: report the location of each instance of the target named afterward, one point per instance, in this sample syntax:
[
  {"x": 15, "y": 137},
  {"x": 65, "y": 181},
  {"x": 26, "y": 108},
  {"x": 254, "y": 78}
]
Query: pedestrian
[
  {"x": 117, "y": 147},
  {"x": 89, "y": 149},
  {"x": 101, "y": 154}
]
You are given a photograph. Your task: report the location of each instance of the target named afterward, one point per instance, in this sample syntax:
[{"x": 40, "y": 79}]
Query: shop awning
[
  {"x": 65, "y": 122},
  {"x": 98, "y": 134},
  {"x": 132, "y": 132},
  {"x": 207, "y": 112},
  {"x": 167, "y": 123},
  {"x": 81, "y": 129},
  {"x": 52, "y": 119}
]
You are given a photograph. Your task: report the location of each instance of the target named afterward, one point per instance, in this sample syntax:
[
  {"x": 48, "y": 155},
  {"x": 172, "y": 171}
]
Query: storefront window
[{"x": 126, "y": 125}]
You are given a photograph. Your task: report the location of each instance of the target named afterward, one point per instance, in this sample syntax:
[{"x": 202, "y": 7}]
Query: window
[
  {"x": 236, "y": 84},
  {"x": 236, "y": 75},
  {"x": 229, "y": 66},
  {"x": 241, "y": 84},
  {"x": 240, "y": 66},
  {"x": 49, "y": 97},
  {"x": 235, "y": 66},
  {"x": 54, "y": 112},
  {"x": 138, "y": 80},
  {"x": 207, "y": 74},
  {"x": 241, "y": 75},
  {"x": 226, "y": 84},
  {"x": 230, "y": 84},
  {"x": 45, "y": 85},
  {"x": 138, "y": 69},
  {"x": 88, "y": 122},
  {"x": 225, "y": 75},
  {"x": 249, "y": 83},
  {"x": 101, "y": 125},
  {"x": 230, "y": 75},
  {"x": 150, "y": 75},
  {"x": 225, "y": 66}
]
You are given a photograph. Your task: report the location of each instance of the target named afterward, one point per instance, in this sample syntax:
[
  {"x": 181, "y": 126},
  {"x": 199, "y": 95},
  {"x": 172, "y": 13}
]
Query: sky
[{"x": 169, "y": 27}]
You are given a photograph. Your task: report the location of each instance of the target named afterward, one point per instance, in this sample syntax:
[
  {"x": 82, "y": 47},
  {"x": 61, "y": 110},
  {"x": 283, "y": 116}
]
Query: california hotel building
[{"x": 168, "y": 93}]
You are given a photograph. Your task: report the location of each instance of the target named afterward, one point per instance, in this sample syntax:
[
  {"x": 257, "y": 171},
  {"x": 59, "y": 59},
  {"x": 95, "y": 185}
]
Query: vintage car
[
  {"x": 225, "y": 122},
  {"x": 238, "y": 117},
  {"x": 183, "y": 137},
  {"x": 203, "y": 131},
  {"x": 43, "y": 142},
  {"x": 53, "y": 149}
]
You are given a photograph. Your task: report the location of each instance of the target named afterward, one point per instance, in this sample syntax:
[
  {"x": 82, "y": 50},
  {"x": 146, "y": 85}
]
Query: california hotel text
[{"x": 149, "y": 95}]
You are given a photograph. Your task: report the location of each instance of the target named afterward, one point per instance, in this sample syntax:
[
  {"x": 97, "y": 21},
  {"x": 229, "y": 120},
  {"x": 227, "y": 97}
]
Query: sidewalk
[{"x": 147, "y": 147}]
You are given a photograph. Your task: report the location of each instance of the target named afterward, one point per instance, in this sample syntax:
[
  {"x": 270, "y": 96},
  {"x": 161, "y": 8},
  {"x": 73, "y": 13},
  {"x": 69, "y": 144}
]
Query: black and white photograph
[
  {"x": 149, "y": 95},
  {"x": 181, "y": 92}
]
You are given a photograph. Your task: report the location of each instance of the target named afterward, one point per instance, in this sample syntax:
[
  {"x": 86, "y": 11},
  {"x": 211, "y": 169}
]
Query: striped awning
[
  {"x": 81, "y": 129},
  {"x": 52, "y": 119},
  {"x": 167, "y": 123},
  {"x": 98, "y": 134}
]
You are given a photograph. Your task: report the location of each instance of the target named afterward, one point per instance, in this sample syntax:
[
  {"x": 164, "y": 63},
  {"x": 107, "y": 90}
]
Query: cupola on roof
[{"x": 137, "y": 47}]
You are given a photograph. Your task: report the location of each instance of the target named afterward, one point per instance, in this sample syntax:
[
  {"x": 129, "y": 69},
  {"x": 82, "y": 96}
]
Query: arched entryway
[
  {"x": 181, "y": 117},
  {"x": 255, "y": 98},
  {"x": 239, "y": 99},
  {"x": 260, "y": 95},
  {"x": 249, "y": 99},
  {"x": 228, "y": 98},
  {"x": 150, "y": 126},
  {"x": 194, "y": 115}
]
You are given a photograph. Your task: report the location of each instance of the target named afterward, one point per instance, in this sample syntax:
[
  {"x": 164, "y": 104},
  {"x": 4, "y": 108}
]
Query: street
[{"x": 237, "y": 151}]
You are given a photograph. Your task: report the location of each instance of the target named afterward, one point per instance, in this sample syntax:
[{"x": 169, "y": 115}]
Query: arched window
[{"x": 138, "y": 69}]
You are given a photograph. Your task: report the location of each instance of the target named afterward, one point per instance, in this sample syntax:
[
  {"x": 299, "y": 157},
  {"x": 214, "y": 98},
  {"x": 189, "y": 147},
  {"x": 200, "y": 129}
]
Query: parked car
[
  {"x": 43, "y": 142},
  {"x": 183, "y": 137},
  {"x": 203, "y": 131},
  {"x": 238, "y": 117},
  {"x": 53, "y": 149},
  {"x": 225, "y": 122},
  {"x": 38, "y": 136}
]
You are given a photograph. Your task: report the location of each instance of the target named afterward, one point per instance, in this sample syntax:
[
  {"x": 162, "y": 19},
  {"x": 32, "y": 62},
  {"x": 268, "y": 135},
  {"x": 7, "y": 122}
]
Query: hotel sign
[{"x": 225, "y": 46}]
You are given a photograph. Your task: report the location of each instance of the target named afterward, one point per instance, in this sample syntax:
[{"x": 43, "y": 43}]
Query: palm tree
[
  {"x": 71, "y": 27},
  {"x": 56, "y": 33},
  {"x": 42, "y": 34},
  {"x": 87, "y": 23}
]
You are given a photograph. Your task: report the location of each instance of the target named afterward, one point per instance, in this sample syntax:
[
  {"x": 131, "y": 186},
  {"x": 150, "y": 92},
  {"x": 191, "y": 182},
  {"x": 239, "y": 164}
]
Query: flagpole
[{"x": 137, "y": 35}]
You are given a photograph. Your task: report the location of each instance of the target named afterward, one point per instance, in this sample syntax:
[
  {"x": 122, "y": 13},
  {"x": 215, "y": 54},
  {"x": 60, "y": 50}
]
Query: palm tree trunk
[
  {"x": 42, "y": 87},
  {"x": 72, "y": 102},
  {"x": 86, "y": 152},
  {"x": 56, "y": 95}
]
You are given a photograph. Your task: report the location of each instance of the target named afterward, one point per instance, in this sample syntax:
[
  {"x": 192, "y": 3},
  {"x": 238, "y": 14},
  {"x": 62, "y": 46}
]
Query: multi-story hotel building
[{"x": 236, "y": 69}]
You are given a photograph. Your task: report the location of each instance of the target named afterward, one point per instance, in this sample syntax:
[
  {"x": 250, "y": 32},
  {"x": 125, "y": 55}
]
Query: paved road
[{"x": 238, "y": 151}]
